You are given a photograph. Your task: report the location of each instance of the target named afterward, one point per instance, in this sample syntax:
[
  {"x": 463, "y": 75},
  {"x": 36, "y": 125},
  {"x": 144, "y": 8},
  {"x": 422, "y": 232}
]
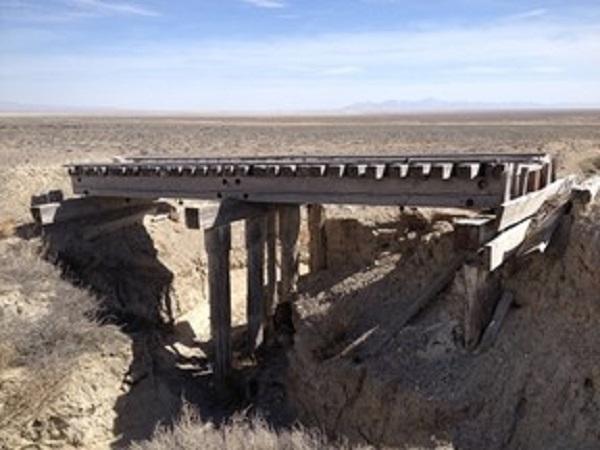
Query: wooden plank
[
  {"x": 217, "y": 242},
  {"x": 390, "y": 190},
  {"x": 54, "y": 196},
  {"x": 289, "y": 230},
  {"x": 216, "y": 214},
  {"x": 318, "y": 242},
  {"x": 432, "y": 289},
  {"x": 516, "y": 210},
  {"x": 542, "y": 229},
  {"x": 256, "y": 231},
  {"x": 493, "y": 329},
  {"x": 504, "y": 244},
  {"x": 481, "y": 293},
  {"x": 80, "y": 208}
]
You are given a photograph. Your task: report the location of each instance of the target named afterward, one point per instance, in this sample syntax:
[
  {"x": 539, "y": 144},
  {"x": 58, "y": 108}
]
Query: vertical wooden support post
[
  {"x": 289, "y": 229},
  {"x": 256, "y": 230},
  {"x": 482, "y": 291},
  {"x": 317, "y": 243},
  {"x": 271, "y": 290},
  {"x": 217, "y": 242}
]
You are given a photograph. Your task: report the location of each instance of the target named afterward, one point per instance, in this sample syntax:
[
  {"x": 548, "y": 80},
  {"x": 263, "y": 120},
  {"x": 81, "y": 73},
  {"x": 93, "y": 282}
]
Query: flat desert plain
[
  {"x": 112, "y": 340},
  {"x": 33, "y": 148}
]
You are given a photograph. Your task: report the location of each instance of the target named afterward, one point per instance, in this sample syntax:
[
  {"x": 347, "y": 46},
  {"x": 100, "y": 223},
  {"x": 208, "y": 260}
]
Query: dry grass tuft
[
  {"x": 238, "y": 433},
  {"x": 45, "y": 323}
]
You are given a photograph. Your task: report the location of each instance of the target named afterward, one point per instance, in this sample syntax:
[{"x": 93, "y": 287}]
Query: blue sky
[{"x": 243, "y": 55}]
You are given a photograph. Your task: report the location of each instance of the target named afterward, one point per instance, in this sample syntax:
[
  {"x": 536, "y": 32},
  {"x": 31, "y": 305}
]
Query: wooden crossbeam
[
  {"x": 215, "y": 214},
  {"x": 66, "y": 210}
]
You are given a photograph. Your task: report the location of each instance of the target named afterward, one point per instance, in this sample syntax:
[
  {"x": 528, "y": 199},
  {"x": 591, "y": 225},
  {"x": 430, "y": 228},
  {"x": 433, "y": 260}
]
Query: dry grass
[
  {"x": 44, "y": 324},
  {"x": 237, "y": 434}
]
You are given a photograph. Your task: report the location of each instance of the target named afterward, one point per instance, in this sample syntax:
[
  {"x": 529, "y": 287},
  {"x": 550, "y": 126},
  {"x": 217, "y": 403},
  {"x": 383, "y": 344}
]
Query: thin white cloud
[
  {"x": 104, "y": 7},
  {"x": 266, "y": 3},
  {"x": 531, "y": 14},
  {"x": 56, "y": 11},
  {"x": 340, "y": 70},
  {"x": 539, "y": 61}
]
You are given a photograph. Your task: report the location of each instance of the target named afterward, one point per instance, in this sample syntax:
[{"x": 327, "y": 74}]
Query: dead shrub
[
  {"x": 239, "y": 433},
  {"x": 45, "y": 323}
]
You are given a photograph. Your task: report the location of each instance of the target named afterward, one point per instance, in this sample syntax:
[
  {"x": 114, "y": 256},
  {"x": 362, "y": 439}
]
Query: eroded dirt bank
[{"x": 354, "y": 372}]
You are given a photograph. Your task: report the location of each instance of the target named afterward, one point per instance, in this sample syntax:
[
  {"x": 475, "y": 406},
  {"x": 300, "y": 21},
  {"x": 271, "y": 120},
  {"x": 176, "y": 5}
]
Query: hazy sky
[{"x": 296, "y": 54}]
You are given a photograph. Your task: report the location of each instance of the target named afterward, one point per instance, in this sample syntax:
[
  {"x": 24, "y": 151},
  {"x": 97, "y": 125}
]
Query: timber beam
[{"x": 470, "y": 181}]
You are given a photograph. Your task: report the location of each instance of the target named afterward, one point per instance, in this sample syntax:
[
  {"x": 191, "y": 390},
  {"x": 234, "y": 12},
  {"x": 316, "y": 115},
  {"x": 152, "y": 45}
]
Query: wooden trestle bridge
[{"x": 517, "y": 197}]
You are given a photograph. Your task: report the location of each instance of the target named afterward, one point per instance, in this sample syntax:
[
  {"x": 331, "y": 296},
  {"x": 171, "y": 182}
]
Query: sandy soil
[
  {"x": 34, "y": 148},
  {"x": 420, "y": 389}
]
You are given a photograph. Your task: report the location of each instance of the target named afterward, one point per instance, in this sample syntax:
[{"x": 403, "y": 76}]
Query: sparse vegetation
[
  {"x": 45, "y": 323},
  {"x": 51, "y": 344},
  {"x": 237, "y": 434}
]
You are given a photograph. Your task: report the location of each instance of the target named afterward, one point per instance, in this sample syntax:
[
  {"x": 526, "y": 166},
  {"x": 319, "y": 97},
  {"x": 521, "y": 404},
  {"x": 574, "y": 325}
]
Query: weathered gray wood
[
  {"x": 493, "y": 329},
  {"x": 481, "y": 294},
  {"x": 80, "y": 208},
  {"x": 271, "y": 287},
  {"x": 217, "y": 242},
  {"x": 317, "y": 242},
  {"x": 542, "y": 229},
  {"x": 472, "y": 232},
  {"x": 438, "y": 283},
  {"x": 532, "y": 234},
  {"x": 256, "y": 230},
  {"x": 367, "y": 180},
  {"x": 289, "y": 230},
  {"x": 54, "y": 196},
  {"x": 521, "y": 208},
  {"x": 215, "y": 214},
  {"x": 499, "y": 249}
]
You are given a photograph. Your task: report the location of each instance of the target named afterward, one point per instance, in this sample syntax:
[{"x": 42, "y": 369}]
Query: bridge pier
[
  {"x": 289, "y": 230},
  {"x": 271, "y": 285},
  {"x": 317, "y": 242},
  {"x": 217, "y": 242},
  {"x": 256, "y": 233}
]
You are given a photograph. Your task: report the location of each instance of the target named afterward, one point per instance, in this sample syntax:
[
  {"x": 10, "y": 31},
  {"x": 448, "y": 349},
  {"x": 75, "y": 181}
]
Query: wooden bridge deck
[{"x": 478, "y": 181}]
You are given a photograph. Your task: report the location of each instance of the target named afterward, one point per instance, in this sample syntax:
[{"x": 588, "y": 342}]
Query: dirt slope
[{"x": 537, "y": 388}]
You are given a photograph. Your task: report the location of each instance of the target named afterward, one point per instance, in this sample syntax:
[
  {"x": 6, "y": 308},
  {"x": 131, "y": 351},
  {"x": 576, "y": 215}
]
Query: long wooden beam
[
  {"x": 65, "y": 210},
  {"x": 471, "y": 181}
]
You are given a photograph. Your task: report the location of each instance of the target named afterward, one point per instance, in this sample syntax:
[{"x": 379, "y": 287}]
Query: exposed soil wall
[{"x": 354, "y": 373}]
